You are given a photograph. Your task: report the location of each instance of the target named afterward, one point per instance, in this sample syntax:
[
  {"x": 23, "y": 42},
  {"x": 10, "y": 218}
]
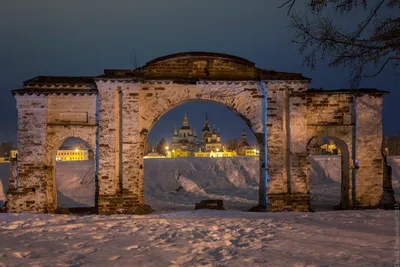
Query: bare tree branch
[
  {"x": 355, "y": 50},
  {"x": 383, "y": 66},
  {"x": 290, "y": 3}
]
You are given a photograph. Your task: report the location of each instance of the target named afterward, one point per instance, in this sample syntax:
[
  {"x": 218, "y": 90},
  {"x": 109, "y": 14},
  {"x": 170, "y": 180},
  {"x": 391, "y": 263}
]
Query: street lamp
[{"x": 167, "y": 147}]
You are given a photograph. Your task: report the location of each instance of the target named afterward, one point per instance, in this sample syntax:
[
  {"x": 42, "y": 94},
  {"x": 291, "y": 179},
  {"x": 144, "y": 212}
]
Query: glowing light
[
  {"x": 167, "y": 147},
  {"x": 76, "y": 150},
  {"x": 217, "y": 149}
]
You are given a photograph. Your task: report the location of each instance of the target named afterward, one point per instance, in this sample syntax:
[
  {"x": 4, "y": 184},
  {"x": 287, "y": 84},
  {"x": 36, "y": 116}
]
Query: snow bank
[
  {"x": 235, "y": 180},
  {"x": 4, "y": 177},
  {"x": 394, "y": 162},
  {"x": 325, "y": 176},
  {"x": 75, "y": 183}
]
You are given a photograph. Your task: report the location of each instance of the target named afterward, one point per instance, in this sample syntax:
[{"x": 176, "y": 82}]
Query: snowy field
[
  {"x": 234, "y": 180},
  {"x": 200, "y": 238},
  {"x": 75, "y": 183}
]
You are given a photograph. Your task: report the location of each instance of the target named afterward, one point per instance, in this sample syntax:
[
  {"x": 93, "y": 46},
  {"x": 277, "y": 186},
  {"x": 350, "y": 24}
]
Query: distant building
[
  {"x": 211, "y": 138},
  {"x": 68, "y": 154},
  {"x": 185, "y": 142},
  {"x": 13, "y": 154},
  {"x": 243, "y": 145},
  {"x": 252, "y": 152},
  {"x": 185, "y": 139},
  {"x": 153, "y": 154},
  {"x": 65, "y": 154},
  {"x": 215, "y": 154}
]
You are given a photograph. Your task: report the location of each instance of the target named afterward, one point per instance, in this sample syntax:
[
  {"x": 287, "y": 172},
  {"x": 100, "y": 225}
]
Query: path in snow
[{"x": 200, "y": 238}]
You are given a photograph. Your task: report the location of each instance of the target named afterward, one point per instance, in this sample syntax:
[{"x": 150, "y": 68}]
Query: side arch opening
[{"x": 329, "y": 159}]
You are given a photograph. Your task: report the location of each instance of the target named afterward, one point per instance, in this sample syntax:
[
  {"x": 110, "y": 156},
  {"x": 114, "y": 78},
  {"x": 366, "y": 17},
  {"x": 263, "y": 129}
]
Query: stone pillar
[
  {"x": 288, "y": 186},
  {"x": 277, "y": 184},
  {"x": 132, "y": 158},
  {"x": 109, "y": 198},
  {"x": 369, "y": 184},
  {"x": 28, "y": 192},
  {"x": 300, "y": 180}
]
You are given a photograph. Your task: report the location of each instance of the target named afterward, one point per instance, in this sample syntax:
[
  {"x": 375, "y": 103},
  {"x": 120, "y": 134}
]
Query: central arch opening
[{"x": 201, "y": 150}]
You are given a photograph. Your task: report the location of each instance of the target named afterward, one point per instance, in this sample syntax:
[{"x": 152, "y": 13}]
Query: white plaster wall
[{"x": 58, "y": 104}]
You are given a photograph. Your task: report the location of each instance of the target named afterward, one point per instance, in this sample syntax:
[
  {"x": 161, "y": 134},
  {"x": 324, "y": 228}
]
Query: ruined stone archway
[
  {"x": 345, "y": 181},
  {"x": 120, "y": 106}
]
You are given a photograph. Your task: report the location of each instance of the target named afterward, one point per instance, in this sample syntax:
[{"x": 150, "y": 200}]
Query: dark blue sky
[{"x": 85, "y": 37}]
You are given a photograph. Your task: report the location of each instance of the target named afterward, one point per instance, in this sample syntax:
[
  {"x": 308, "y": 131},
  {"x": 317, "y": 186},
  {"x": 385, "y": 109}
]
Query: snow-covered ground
[
  {"x": 75, "y": 183},
  {"x": 325, "y": 176},
  {"x": 200, "y": 238},
  {"x": 394, "y": 162},
  {"x": 4, "y": 176},
  {"x": 234, "y": 180},
  {"x": 177, "y": 235}
]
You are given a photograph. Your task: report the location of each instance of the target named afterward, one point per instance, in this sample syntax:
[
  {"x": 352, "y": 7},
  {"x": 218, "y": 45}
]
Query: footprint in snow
[
  {"x": 80, "y": 245},
  {"x": 131, "y": 247},
  {"x": 22, "y": 255}
]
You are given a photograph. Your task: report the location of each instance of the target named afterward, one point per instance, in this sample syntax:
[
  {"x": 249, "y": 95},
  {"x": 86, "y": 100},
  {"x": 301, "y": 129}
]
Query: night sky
[{"x": 79, "y": 38}]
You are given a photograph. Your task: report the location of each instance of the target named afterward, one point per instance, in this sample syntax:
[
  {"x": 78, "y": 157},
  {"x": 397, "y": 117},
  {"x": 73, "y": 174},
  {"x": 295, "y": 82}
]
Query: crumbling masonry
[{"x": 115, "y": 111}]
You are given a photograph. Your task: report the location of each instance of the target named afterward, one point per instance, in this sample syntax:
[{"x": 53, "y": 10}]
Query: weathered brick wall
[
  {"x": 132, "y": 154},
  {"x": 298, "y": 142},
  {"x": 368, "y": 146},
  {"x": 107, "y": 173},
  {"x": 30, "y": 194},
  {"x": 84, "y": 105},
  {"x": 121, "y": 158},
  {"x": 210, "y": 67},
  {"x": 286, "y": 158}
]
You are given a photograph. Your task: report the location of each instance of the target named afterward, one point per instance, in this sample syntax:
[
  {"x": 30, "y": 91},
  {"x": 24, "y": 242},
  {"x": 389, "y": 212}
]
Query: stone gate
[{"x": 114, "y": 113}]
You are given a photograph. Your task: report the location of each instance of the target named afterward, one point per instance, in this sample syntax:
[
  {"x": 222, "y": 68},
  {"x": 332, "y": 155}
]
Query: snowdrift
[
  {"x": 75, "y": 183},
  {"x": 234, "y": 180},
  {"x": 325, "y": 176}
]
